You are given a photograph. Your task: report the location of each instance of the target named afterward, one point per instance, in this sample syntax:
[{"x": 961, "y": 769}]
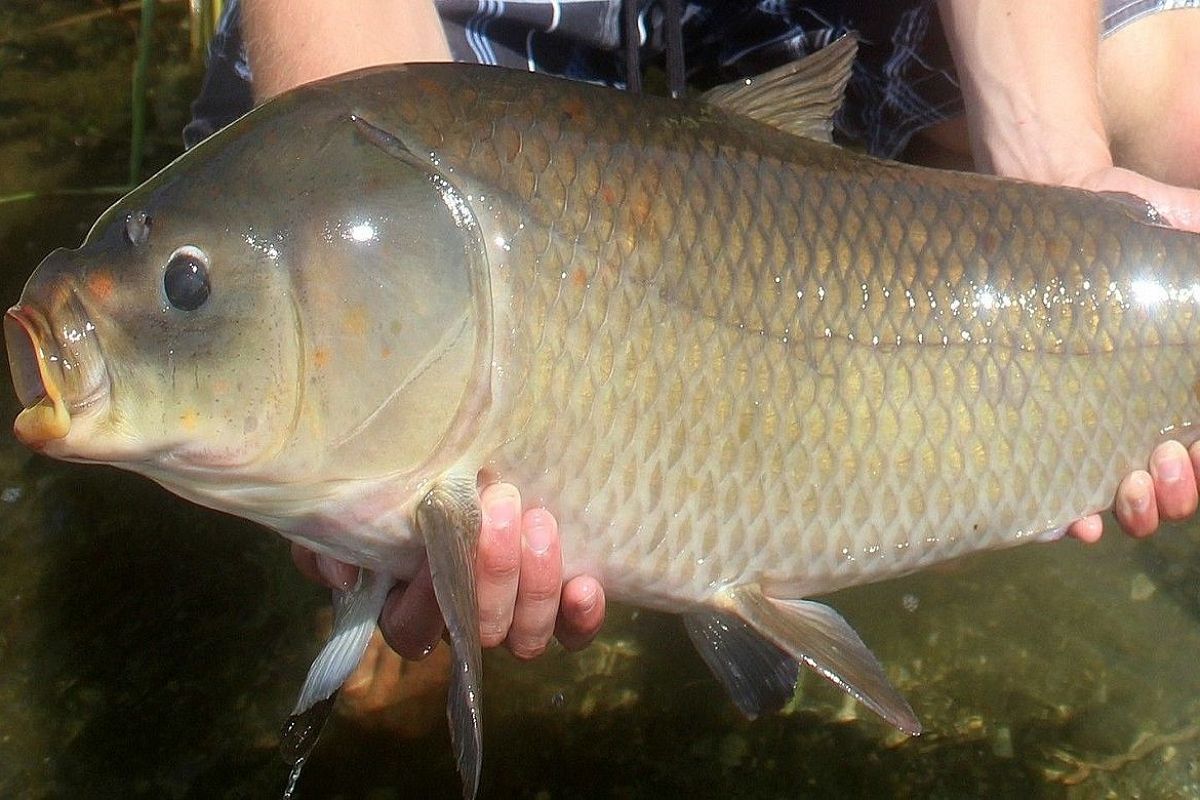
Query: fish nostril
[{"x": 23, "y": 360}]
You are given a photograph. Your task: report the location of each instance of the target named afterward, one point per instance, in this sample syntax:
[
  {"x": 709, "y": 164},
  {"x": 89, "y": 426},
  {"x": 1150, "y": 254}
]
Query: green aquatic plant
[
  {"x": 137, "y": 138},
  {"x": 203, "y": 18},
  {"x": 31, "y": 47}
]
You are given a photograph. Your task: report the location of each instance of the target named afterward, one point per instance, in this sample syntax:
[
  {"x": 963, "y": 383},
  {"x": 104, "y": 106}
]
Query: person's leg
[{"x": 1151, "y": 95}]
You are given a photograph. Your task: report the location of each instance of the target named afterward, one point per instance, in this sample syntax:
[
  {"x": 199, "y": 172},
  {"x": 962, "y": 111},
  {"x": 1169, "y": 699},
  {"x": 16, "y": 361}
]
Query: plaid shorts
[{"x": 903, "y": 80}]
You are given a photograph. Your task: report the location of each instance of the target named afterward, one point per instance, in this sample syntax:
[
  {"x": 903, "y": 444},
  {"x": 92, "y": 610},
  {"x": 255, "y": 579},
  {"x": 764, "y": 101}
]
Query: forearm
[
  {"x": 1029, "y": 79},
  {"x": 291, "y": 42}
]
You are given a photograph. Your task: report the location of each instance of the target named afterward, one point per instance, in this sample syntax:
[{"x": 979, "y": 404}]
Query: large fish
[{"x": 742, "y": 366}]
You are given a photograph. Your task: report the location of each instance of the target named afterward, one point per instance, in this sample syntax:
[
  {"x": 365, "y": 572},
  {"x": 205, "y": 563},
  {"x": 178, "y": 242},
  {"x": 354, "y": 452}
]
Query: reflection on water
[{"x": 150, "y": 648}]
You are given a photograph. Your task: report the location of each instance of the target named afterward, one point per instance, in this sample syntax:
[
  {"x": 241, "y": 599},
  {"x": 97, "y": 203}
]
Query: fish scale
[{"x": 818, "y": 369}]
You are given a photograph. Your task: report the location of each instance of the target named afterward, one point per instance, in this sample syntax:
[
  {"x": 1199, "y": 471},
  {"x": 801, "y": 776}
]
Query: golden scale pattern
[{"x": 737, "y": 356}]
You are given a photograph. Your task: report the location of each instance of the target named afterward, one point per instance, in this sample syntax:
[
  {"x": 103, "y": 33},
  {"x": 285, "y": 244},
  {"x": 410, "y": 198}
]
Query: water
[{"x": 151, "y": 648}]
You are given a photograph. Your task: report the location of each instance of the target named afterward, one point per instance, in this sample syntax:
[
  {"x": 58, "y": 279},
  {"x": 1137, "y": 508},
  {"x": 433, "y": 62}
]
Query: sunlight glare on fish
[
  {"x": 1148, "y": 292},
  {"x": 363, "y": 232}
]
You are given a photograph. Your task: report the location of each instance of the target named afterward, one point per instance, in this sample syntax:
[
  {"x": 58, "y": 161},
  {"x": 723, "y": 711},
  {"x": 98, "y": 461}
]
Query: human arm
[
  {"x": 1035, "y": 79},
  {"x": 290, "y": 42}
]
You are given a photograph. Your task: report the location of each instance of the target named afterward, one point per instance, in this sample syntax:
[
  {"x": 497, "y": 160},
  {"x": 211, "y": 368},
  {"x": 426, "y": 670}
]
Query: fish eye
[
  {"x": 137, "y": 228},
  {"x": 185, "y": 280}
]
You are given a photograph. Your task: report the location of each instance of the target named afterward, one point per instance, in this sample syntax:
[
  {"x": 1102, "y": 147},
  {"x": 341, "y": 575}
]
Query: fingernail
[
  {"x": 1140, "y": 502},
  {"x": 538, "y": 533},
  {"x": 1168, "y": 464},
  {"x": 1145, "y": 497},
  {"x": 502, "y": 514},
  {"x": 588, "y": 602},
  {"x": 336, "y": 573}
]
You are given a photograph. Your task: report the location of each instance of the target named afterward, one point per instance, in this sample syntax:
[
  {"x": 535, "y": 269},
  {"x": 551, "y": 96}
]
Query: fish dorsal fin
[
  {"x": 817, "y": 636},
  {"x": 800, "y": 97}
]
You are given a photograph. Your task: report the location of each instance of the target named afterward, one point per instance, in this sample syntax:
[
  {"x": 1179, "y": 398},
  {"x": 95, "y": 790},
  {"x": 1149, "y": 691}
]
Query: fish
[{"x": 743, "y": 366}]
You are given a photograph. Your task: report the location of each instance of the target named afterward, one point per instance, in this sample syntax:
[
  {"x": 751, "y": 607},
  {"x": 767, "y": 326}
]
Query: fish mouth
[{"x": 45, "y": 417}]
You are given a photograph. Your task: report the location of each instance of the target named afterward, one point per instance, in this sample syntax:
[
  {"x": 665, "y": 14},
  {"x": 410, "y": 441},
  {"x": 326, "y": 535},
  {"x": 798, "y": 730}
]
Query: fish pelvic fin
[
  {"x": 354, "y": 614},
  {"x": 448, "y": 518},
  {"x": 759, "y": 677},
  {"x": 817, "y": 636},
  {"x": 800, "y": 97}
]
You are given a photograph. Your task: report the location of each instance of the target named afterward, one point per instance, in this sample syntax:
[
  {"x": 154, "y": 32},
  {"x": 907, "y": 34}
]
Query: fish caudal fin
[
  {"x": 354, "y": 614},
  {"x": 759, "y": 677},
  {"x": 448, "y": 518},
  {"x": 817, "y": 636}
]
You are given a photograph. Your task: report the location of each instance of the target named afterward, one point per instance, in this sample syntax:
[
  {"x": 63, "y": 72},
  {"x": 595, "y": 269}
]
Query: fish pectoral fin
[
  {"x": 448, "y": 518},
  {"x": 759, "y": 677},
  {"x": 800, "y": 97},
  {"x": 354, "y": 614},
  {"x": 817, "y": 636}
]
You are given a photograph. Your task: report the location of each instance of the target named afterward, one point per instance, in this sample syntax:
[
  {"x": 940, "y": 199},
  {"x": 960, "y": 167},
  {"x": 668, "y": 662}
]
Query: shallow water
[{"x": 151, "y": 648}]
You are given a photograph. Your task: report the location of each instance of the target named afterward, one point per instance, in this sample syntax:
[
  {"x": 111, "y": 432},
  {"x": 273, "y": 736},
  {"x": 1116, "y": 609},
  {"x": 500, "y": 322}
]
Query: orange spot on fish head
[
  {"x": 321, "y": 357},
  {"x": 607, "y": 194},
  {"x": 579, "y": 278},
  {"x": 100, "y": 285},
  {"x": 189, "y": 420},
  {"x": 355, "y": 322}
]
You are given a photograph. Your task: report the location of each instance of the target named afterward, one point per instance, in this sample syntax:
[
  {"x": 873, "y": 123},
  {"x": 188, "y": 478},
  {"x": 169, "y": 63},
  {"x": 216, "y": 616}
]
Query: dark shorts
[{"x": 903, "y": 81}]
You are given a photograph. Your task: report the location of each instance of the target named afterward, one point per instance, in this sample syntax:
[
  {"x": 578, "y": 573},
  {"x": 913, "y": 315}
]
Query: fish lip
[
  {"x": 45, "y": 416},
  {"x": 26, "y": 357},
  {"x": 37, "y": 360}
]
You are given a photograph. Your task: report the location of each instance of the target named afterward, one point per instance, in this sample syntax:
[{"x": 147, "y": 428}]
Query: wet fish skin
[
  {"x": 742, "y": 368},
  {"x": 745, "y": 357}
]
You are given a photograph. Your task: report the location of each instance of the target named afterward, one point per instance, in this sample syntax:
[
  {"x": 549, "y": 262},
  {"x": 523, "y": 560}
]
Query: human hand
[
  {"x": 1178, "y": 205},
  {"x": 523, "y": 600},
  {"x": 1166, "y": 492}
]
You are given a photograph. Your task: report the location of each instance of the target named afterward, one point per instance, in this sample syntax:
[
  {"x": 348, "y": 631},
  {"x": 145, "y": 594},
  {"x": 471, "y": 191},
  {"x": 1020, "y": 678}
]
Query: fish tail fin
[{"x": 801, "y": 631}]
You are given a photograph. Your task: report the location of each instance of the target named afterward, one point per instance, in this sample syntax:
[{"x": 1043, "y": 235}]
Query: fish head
[
  {"x": 288, "y": 302},
  {"x": 149, "y": 342}
]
